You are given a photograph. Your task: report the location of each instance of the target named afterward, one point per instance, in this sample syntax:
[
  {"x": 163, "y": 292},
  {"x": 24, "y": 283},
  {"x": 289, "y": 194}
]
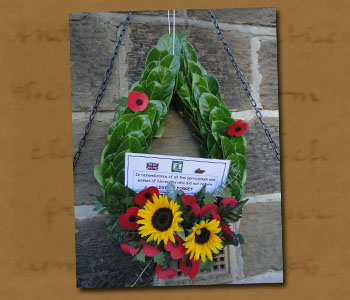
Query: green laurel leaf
[
  {"x": 160, "y": 259},
  {"x": 207, "y": 265},
  {"x": 208, "y": 198},
  {"x": 140, "y": 256},
  {"x": 98, "y": 174}
]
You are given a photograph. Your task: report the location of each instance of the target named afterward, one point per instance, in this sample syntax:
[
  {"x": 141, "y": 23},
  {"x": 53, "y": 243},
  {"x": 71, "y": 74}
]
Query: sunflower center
[
  {"x": 203, "y": 237},
  {"x": 162, "y": 219},
  {"x": 132, "y": 219},
  {"x": 188, "y": 264},
  {"x": 138, "y": 101},
  {"x": 238, "y": 129},
  {"x": 148, "y": 195},
  {"x": 188, "y": 207}
]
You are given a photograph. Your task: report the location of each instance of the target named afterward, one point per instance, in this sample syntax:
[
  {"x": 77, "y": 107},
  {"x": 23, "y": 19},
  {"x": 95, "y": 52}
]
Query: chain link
[
  {"x": 240, "y": 75},
  {"x": 98, "y": 98}
]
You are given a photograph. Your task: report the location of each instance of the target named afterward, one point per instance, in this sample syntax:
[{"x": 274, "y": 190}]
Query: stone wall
[{"x": 251, "y": 34}]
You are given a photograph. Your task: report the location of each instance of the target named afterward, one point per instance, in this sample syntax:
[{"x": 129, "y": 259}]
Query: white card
[{"x": 188, "y": 174}]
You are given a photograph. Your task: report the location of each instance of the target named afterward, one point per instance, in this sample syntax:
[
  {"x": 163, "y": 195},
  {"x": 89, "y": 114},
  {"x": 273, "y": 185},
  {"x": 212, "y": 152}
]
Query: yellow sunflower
[
  {"x": 160, "y": 219},
  {"x": 203, "y": 240}
]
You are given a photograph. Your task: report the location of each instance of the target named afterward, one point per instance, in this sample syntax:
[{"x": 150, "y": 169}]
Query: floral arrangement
[
  {"x": 178, "y": 231},
  {"x": 172, "y": 231}
]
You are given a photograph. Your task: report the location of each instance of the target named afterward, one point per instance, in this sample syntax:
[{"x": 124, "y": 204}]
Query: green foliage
[
  {"x": 155, "y": 55},
  {"x": 165, "y": 78},
  {"x": 200, "y": 195},
  {"x": 154, "y": 90},
  {"x": 181, "y": 78},
  {"x": 208, "y": 198},
  {"x": 159, "y": 132},
  {"x": 181, "y": 234},
  {"x": 140, "y": 256},
  {"x": 98, "y": 174},
  {"x": 166, "y": 43},
  {"x": 171, "y": 191},
  {"x": 160, "y": 258},
  {"x": 172, "y": 63},
  {"x": 207, "y": 265},
  {"x": 207, "y": 102}
]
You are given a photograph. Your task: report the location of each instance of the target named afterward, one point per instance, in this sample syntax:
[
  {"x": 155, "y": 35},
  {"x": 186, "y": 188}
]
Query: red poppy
[
  {"x": 166, "y": 272},
  {"x": 142, "y": 197},
  {"x": 189, "y": 267},
  {"x": 177, "y": 249},
  {"x": 227, "y": 230},
  {"x": 128, "y": 220},
  {"x": 237, "y": 128},
  {"x": 127, "y": 248},
  {"x": 190, "y": 205},
  {"x": 150, "y": 251},
  {"x": 231, "y": 201},
  {"x": 137, "y": 101},
  {"x": 210, "y": 208}
]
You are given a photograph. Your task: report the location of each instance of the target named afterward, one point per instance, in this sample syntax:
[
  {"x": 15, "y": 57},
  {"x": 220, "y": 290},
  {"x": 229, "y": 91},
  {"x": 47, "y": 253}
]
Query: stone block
[
  {"x": 100, "y": 262},
  {"x": 263, "y": 169},
  {"x": 177, "y": 138},
  {"x": 268, "y": 89},
  {"x": 160, "y": 13},
  {"x": 84, "y": 180},
  {"x": 261, "y": 227},
  {"x": 92, "y": 41},
  {"x": 264, "y": 16},
  {"x": 211, "y": 55}
]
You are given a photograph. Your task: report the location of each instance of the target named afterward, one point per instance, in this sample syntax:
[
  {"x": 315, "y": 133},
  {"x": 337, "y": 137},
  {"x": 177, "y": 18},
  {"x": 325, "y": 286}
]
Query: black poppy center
[
  {"x": 132, "y": 219},
  {"x": 239, "y": 128},
  {"x": 164, "y": 268},
  {"x": 138, "y": 101},
  {"x": 188, "y": 207},
  {"x": 148, "y": 195},
  {"x": 188, "y": 264},
  {"x": 176, "y": 243},
  {"x": 203, "y": 237},
  {"x": 162, "y": 219}
]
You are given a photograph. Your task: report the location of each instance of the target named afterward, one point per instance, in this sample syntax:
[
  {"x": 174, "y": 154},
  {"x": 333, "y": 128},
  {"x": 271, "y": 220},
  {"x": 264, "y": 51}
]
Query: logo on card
[
  {"x": 199, "y": 171},
  {"x": 152, "y": 166},
  {"x": 176, "y": 166}
]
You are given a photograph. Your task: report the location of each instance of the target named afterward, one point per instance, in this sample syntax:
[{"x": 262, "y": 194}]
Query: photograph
[
  {"x": 179, "y": 150},
  {"x": 176, "y": 147}
]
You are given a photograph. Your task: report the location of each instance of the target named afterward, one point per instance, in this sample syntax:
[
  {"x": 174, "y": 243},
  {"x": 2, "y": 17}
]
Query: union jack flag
[{"x": 152, "y": 166}]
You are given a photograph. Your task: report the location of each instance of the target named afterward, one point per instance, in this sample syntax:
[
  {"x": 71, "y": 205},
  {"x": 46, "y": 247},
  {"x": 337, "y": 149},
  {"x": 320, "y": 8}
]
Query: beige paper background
[{"x": 37, "y": 255}]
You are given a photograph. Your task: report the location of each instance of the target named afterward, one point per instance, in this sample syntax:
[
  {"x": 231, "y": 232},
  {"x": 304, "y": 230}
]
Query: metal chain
[
  {"x": 245, "y": 85},
  {"x": 98, "y": 98}
]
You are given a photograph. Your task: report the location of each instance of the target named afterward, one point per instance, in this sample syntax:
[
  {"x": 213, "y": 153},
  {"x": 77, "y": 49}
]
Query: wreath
[{"x": 173, "y": 230}]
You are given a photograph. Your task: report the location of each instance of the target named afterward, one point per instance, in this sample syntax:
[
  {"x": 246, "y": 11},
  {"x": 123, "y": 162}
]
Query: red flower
[
  {"x": 231, "y": 201},
  {"x": 190, "y": 205},
  {"x": 227, "y": 230},
  {"x": 189, "y": 267},
  {"x": 128, "y": 220},
  {"x": 150, "y": 251},
  {"x": 177, "y": 249},
  {"x": 210, "y": 208},
  {"x": 166, "y": 272},
  {"x": 237, "y": 128},
  {"x": 127, "y": 248},
  {"x": 142, "y": 197},
  {"x": 137, "y": 101}
]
